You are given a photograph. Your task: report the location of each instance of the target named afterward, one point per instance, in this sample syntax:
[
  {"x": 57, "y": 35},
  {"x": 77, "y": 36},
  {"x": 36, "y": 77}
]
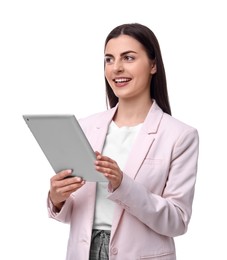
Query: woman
[{"x": 148, "y": 157}]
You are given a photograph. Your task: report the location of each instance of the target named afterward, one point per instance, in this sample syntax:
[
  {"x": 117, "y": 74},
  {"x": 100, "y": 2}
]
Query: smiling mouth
[{"x": 121, "y": 80}]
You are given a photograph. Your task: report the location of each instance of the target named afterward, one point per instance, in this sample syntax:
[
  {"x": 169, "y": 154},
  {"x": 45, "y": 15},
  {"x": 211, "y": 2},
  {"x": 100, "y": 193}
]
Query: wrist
[{"x": 57, "y": 205}]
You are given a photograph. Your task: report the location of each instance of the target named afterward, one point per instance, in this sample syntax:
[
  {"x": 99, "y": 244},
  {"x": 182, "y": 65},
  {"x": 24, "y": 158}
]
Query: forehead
[{"x": 123, "y": 43}]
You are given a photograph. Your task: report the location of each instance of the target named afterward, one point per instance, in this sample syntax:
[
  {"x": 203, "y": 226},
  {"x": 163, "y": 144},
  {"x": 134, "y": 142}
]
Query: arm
[
  {"x": 169, "y": 213},
  {"x": 61, "y": 187}
]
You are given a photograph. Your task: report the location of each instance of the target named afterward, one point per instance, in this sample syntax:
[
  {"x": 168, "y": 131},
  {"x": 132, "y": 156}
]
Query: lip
[{"x": 121, "y": 81}]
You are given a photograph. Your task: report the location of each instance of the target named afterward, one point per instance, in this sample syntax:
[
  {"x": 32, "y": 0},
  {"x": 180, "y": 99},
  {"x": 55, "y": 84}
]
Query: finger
[
  {"x": 70, "y": 188},
  {"x": 105, "y": 158},
  {"x": 99, "y": 156},
  {"x": 62, "y": 174},
  {"x": 97, "y": 153},
  {"x": 107, "y": 171},
  {"x": 106, "y": 165},
  {"x": 71, "y": 181}
]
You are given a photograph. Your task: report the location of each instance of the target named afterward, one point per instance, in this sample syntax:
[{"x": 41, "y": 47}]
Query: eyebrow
[{"x": 122, "y": 54}]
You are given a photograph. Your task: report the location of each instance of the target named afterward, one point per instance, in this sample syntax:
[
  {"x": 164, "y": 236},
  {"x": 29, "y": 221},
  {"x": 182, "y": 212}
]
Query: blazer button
[{"x": 114, "y": 250}]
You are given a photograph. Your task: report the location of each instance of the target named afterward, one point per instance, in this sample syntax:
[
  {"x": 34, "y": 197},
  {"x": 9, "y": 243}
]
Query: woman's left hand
[{"x": 110, "y": 169}]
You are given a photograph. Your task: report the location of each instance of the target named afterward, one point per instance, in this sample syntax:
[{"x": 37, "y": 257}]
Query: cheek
[
  {"x": 141, "y": 71},
  {"x": 108, "y": 77},
  {"x": 107, "y": 72},
  {"x": 144, "y": 76}
]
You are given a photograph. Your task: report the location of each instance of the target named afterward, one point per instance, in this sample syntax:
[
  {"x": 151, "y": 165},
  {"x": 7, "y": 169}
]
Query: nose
[{"x": 118, "y": 66}]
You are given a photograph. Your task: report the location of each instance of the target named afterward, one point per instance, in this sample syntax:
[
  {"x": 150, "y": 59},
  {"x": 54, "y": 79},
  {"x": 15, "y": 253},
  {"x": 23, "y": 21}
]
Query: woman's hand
[
  {"x": 62, "y": 185},
  {"x": 110, "y": 169}
]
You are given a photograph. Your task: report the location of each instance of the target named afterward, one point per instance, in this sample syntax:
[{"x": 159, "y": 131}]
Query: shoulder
[
  {"x": 91, "y": 118},
  {"x": 181, "y": 132},
  {"x": 176, "y": 124},
  {"x": 161, "y": 122}
]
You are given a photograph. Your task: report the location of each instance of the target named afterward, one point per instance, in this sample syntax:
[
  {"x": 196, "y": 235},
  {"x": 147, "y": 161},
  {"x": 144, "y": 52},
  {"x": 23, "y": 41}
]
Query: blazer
[{"x": 153, "y": 204}]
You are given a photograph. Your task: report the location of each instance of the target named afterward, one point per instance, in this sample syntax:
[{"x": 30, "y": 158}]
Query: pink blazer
[{"x": 154, "y": 200}]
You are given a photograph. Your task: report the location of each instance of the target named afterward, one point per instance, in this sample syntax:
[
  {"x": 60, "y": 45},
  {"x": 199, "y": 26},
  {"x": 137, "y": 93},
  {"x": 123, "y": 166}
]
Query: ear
[{"x": 153, "y": 68}]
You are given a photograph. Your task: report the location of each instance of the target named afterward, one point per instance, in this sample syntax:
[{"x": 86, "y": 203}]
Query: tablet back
[{"x": 65, "y": 145}]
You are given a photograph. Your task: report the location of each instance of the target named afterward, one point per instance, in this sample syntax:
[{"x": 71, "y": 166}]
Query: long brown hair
[{"x": 158, "y": 86}]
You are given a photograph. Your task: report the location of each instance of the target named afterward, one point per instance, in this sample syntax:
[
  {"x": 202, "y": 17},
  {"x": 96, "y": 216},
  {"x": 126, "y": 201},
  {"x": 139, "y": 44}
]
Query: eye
[
  {"x": 129, "y": 58},
  {"x": 108, "y": 59}
]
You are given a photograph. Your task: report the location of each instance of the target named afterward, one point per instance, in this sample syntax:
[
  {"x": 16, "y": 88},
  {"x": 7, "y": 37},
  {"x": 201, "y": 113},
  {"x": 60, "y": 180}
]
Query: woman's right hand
[{"x": 62, "y": 185}]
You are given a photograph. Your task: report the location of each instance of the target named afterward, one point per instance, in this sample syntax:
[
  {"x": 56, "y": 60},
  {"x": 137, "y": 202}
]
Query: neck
[{"x": 131, "y": 113}]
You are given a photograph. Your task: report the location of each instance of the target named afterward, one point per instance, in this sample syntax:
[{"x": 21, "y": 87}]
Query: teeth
[{"x": 121, "y": 80}]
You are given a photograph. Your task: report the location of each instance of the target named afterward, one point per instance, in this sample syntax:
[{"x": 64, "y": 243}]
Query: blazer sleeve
[
  {"x": 169, "y": 213},
  {"x": 64, "y": 215}
]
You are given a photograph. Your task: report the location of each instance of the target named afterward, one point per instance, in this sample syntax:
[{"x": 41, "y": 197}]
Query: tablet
[{"x": 65, "y": 145}]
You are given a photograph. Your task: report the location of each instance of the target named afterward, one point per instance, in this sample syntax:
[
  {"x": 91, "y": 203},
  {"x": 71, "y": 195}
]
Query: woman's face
[{"x": 128, "y": 69}]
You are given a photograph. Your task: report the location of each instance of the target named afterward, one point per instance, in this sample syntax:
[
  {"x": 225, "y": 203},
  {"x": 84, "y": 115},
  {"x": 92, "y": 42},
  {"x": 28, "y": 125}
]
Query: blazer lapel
[
  {"x": 144, "y": 141},
  {"x": 98, "y": 137}
]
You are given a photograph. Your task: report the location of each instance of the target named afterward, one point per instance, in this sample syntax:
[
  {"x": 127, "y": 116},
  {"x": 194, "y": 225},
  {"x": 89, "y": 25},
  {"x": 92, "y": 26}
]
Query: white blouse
[{"x": 117, "y": 146}]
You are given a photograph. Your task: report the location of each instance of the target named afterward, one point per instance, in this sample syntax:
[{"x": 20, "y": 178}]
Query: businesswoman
[{"x": 148, "y": 157}]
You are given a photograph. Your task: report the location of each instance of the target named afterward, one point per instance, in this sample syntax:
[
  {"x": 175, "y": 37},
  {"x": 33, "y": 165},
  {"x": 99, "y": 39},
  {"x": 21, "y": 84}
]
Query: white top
[{"x": 117, "y": 146}]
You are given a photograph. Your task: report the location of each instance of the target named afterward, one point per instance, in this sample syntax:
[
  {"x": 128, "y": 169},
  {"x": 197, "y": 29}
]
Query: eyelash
[
  {"x": 108, "y": 60},
  {"x": 128, "y": 58}
]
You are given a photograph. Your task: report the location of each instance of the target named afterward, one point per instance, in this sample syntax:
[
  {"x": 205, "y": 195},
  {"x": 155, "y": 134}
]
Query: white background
[{"x": 51, "y": 61}]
